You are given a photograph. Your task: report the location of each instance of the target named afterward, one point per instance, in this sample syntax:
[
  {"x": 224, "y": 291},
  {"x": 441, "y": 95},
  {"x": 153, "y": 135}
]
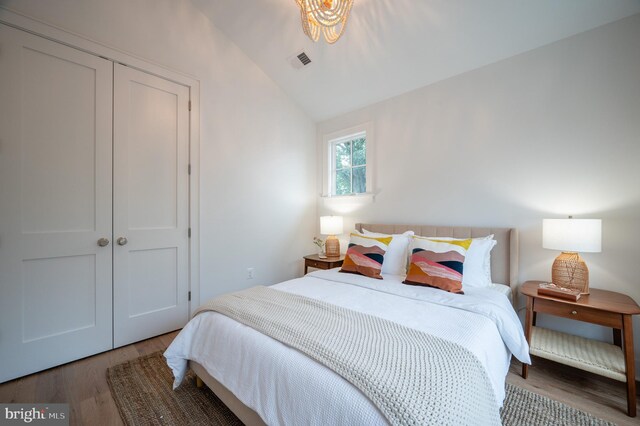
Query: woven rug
[{"x": 142, "y": 391}]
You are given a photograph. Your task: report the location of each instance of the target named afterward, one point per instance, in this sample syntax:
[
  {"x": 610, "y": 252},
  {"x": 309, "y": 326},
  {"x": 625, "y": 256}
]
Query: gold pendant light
[{"x": 328, "y": 16}]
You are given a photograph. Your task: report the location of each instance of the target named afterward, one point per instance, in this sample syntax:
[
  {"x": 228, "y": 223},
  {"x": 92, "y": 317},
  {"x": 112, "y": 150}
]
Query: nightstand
[
  {"x": 606, "y": 308},
  {"x": 314, "y": 261}
]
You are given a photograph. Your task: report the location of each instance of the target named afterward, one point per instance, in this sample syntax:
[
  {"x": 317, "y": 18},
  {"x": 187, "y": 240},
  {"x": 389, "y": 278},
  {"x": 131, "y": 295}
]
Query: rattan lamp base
[
  {"x": 570, "y": 271},
  {"x": 332, "y": 246}
]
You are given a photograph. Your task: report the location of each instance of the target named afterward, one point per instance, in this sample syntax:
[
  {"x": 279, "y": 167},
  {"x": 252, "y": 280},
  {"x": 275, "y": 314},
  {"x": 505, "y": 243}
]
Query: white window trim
[
  {"x": 333, "y": 168},
  {"x": 328, "y": 160}
]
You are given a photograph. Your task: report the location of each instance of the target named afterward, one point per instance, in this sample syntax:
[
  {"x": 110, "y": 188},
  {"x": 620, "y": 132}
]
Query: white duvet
[{"x": 285, "y": 387}]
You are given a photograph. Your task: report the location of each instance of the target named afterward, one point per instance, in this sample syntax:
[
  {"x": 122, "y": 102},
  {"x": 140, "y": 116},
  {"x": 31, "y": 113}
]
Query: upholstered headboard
[{"x": 504, "y": 256}]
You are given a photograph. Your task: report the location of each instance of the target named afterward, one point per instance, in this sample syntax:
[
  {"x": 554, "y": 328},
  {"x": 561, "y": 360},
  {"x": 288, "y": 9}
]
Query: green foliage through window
[{"x": 350, "y": 166}]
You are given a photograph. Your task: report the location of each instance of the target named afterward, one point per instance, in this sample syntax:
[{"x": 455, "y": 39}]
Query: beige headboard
[{"x": 504, "y": 256}]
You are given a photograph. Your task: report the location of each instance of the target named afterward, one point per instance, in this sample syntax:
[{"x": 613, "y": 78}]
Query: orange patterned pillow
[
  {"x": 365, "y": 255},
  {"x": 437, "y": 263}
]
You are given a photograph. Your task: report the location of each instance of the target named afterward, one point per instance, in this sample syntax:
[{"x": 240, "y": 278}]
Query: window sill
[
  {"x": 360, "y": 196},
  {"x": 347, "y": 203}
]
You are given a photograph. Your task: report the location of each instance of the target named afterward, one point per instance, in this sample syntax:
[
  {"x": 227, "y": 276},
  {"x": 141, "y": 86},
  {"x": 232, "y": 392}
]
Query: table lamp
[
  {"x": 331, "y": 226},
  {"x": 572, "y": 236}
]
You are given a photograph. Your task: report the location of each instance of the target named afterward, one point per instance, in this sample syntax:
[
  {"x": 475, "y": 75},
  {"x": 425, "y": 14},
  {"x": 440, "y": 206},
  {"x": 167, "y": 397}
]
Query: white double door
[{"x": 94, "y": 204}]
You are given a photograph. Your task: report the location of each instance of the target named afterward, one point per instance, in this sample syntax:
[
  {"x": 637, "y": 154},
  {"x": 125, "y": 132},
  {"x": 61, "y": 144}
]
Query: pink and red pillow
[
  {"x": 365, "y": 255},
  {"x": 437, "y": 263}
]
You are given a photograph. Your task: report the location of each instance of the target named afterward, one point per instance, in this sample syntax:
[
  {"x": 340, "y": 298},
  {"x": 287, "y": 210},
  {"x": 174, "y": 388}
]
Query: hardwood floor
[
  {"x": 600, "y": 396},
  {"x": 83, "y": 384}
]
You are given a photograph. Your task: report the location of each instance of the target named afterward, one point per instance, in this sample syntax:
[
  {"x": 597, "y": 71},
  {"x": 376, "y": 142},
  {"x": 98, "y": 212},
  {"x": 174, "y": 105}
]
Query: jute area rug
[{"x": 142, "y": 391}]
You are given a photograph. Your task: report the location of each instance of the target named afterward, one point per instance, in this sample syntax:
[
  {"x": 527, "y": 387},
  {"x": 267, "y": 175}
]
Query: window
[
  {"x": 349, "y": 171},
  {"x": 347, "y": 162}
]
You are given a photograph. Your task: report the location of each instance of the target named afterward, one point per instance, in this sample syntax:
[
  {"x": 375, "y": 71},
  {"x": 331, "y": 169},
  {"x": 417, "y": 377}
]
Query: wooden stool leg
[
  {"x": 627, "y": 324},
  {"x": 199, "y": 382},
  {"x": 528, "y": 324}
]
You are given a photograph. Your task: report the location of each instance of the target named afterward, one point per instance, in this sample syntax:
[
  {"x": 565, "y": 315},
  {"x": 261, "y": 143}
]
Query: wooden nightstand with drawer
[
  {"x": 315, "y": 261},
  {"x": 606, "y": 308}
]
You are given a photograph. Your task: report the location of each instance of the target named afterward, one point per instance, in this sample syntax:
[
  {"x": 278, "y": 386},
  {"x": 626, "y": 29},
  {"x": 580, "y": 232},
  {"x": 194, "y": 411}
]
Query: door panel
[
  {"x": 151, "y": 158},
  {"x": 56, "y": 202},
  {"x": 47, "y": 284},
  {"x": 53, "y": 93},
  {"x": 152, "y": 287},
  {"x": 153, "y": 196}
]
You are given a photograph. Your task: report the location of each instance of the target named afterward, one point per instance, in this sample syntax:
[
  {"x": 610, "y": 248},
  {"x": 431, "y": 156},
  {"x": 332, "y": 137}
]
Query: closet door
[
  {"x": 55, "y": 204},
  {"x": 151, "y": 205}
]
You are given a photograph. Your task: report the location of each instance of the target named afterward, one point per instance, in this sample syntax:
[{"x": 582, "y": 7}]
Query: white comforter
[{"x": 286, "y": 387}]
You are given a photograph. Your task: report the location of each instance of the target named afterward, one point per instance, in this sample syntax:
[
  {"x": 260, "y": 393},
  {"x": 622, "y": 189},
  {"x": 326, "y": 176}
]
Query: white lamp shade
[
  {"x": 331, "y": 225},
  {"x": 576, "y": 235}
]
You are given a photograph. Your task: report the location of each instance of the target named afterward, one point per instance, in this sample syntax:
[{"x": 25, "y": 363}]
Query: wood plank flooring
[
  {"x": 602, "y": 397},
  {"x": 83, "y": 384}
]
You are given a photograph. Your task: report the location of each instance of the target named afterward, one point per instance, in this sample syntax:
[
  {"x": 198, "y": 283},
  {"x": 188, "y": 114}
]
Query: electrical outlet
[{"x": 250, "y": 273}]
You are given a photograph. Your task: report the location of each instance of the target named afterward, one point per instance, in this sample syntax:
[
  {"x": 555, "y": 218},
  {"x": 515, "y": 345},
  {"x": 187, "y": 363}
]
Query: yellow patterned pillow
[
  {"x": 365, "y": 255},
  {"x": 437, "y": 263}
]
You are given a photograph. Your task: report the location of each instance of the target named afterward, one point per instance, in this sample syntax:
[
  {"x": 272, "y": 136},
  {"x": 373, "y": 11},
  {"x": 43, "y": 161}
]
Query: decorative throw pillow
[
  {"x": 395, "y": 259},
  {"x": 477, "y": 261},
  {"x": 437, "y": 263},
  {"x": 365, "y": 255}
]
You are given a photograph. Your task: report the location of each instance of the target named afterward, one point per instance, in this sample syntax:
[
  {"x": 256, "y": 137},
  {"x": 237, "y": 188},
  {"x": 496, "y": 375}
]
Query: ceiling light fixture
[{"x": 325, "y": 16}]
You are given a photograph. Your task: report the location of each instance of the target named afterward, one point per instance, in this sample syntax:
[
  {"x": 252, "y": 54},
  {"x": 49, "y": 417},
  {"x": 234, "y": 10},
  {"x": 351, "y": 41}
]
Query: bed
[{"x": 264, "y": 381}]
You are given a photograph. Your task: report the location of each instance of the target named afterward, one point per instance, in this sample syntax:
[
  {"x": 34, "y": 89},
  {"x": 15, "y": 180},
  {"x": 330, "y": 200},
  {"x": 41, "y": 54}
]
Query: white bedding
[
  {"x": 504, "y": 289},
  {"x": 286, "y": 387}
]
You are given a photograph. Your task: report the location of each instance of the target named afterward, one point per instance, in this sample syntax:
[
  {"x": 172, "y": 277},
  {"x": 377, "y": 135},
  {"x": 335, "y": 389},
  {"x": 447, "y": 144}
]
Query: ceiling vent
[{"x": 300, "y": 60}]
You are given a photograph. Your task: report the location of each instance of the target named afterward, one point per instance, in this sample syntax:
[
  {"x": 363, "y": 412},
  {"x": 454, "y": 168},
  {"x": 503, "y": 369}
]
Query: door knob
[
  {"x": 102, "y": 242},
  {"x": 122, "y": 241}
]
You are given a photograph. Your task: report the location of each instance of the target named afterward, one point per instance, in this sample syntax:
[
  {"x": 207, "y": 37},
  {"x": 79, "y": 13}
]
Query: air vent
[
  {"x": 299, "y": 60},
  {"x": 304, "y": 58}
]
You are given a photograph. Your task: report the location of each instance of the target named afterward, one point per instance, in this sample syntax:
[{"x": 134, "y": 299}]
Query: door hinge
[
  {"x": 189, "y": 168},
  {"x": 189, "y": 232},
  {"x": 189, "y": 296},
  {"x": 189, "y": 105}
]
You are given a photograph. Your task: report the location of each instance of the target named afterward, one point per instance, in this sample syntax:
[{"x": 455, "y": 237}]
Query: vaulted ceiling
[{"x": 395, "y": 46}]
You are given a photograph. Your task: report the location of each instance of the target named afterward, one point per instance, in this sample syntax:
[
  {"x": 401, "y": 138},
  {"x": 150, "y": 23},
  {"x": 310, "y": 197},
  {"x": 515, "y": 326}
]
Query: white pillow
[
  {"x": 477, "y": 262},
  {"x": 395, "y": 259},
  {"x": 479, "y": 272}
]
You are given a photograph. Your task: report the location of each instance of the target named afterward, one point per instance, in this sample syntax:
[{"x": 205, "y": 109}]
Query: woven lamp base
[
  {"x": 570, "y": 271},
  {"x": 332, "y": 246}
]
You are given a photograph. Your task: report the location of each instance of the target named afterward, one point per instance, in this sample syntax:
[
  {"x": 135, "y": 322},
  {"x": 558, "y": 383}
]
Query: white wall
[
  {"x": 258, "y": 207},
  {"x": 551, "y": 132}
]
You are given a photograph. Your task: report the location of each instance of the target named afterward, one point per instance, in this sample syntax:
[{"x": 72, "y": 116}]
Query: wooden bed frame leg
[{"x": 199, "y": 382}]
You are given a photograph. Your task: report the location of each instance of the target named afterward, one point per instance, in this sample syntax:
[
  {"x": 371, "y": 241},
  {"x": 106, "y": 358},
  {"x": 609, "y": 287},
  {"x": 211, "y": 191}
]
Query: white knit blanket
[{"x": 412, "y": 377}]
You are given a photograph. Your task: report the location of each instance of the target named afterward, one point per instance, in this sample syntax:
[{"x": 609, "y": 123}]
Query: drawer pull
[{"x": 574, "y": 312}]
